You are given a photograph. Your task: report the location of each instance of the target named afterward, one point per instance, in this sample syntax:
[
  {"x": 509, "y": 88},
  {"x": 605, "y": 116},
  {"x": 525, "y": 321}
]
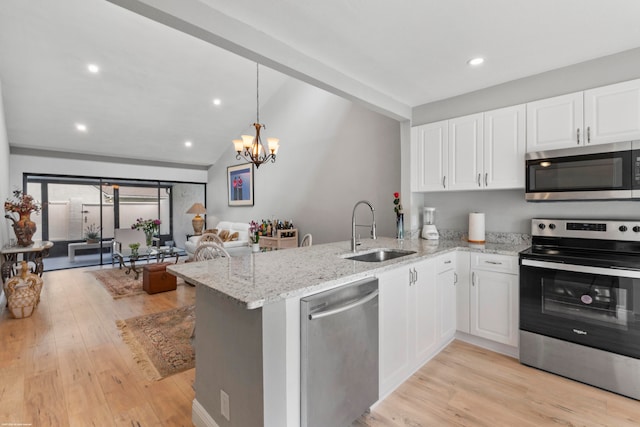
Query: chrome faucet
[{"x": 354, "y": 225}]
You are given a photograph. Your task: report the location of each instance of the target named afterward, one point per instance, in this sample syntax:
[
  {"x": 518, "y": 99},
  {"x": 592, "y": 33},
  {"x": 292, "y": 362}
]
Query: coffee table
[{"x": 144, "y": 254}]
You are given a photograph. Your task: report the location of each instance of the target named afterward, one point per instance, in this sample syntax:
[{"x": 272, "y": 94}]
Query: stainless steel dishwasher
[{"x": 339, "y": 354}]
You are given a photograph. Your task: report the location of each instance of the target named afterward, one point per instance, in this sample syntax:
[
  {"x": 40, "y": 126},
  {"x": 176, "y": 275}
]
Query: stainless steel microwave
[{"x": 597, "y": 172}]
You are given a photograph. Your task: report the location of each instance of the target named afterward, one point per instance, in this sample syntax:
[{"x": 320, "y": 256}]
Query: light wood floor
[{"x": 67, "y": 365}]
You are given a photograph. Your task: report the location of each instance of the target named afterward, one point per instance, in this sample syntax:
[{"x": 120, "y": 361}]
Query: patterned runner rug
[
  {"x": 119, "y": 284},
  {"x": 161, "y": 342}
]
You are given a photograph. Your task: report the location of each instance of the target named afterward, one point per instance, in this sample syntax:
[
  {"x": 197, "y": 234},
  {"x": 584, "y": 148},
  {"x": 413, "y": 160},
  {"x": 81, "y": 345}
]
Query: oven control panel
[{"x": 587, "y": 229}]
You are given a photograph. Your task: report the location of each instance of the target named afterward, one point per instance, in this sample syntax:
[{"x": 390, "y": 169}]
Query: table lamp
[{"x": 197, "y": 221}]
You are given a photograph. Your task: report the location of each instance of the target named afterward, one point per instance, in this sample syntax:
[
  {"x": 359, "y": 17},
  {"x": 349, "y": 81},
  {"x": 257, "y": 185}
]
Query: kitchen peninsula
[{"x": 248, "y": 321}]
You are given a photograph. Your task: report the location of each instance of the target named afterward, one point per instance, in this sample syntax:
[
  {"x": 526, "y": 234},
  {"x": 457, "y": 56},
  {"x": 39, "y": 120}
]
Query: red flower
[{"x": 396, "y": 195}]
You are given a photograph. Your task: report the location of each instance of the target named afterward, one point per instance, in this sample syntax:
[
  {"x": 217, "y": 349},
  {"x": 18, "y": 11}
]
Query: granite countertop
[{"x": 256, "y": 279}]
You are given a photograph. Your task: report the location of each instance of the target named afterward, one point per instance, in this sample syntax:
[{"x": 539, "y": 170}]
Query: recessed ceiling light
[
  {"x": 216, "y": 101},
  {"x": 81, "y": 127},
  {"x": 93, "y": 68},
  {"x": 188, "y": 144},
  {"x": 475, "y": 61}
]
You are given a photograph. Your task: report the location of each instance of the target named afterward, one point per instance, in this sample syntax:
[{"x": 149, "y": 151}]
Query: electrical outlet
[{"x": 224, "y": 404}]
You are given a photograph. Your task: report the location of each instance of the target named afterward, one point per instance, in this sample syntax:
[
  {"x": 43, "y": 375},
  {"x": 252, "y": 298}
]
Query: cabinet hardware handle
[
  {"x": 578, "y": 135},
  {"x": 444, "y": 179},
  {"x": 416, "y": 275},
  {"x": 410, "y": 277},
  {"x": 473, "y": 278},
  {"x": 448, "y": 261},
  {"x": 588, "y": 134},
  {"x": 486, "y": 179},
  {"x": 455, "y": 278},
  {"x": 494, "y": 262},
  {"x": 479, "y": 184}
]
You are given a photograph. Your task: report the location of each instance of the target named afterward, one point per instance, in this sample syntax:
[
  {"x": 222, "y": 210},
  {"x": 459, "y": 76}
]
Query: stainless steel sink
[{"x": 381, "y": 255}]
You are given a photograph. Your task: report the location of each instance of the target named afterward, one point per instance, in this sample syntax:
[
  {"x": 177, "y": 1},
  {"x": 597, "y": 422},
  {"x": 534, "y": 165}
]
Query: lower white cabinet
[
  {"x": 446, "y": 286},
  {"x": 408, "y": 321},
  {"x": 493, "y": 299}
]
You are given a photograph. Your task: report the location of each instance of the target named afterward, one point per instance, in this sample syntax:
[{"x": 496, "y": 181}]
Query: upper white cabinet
[
  {"x": 465, "y": 152},
  {"x": 596, "y": 116},
  {"x": 504, "y": 147},
  {"x": 429, "y": 156},
  {"x": 478, "y": 151}
]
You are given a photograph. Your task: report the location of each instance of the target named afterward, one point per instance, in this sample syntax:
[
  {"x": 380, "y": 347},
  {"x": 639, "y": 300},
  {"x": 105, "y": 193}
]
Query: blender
[{"x": 429, "y": 230}]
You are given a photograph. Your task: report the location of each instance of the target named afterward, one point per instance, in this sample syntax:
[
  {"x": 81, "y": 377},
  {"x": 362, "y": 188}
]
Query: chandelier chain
[{"x": 257, "y": 93}]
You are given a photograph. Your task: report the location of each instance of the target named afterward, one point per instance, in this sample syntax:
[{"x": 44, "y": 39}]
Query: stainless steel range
[{"x": 580, "y": 302}]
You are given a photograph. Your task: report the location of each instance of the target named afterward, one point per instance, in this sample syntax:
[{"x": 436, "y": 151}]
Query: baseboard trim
[
  {"x": 507, "y": 350},
  {"x": 200, "y": 417}
]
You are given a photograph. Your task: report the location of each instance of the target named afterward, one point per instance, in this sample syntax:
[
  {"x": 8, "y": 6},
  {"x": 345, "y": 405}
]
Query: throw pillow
[
  {"x": 233, "y": 237},
  {"x": 223, "y": 235}
]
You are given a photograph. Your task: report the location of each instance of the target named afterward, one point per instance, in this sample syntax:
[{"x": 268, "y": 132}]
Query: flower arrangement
[
  {"x": 397, "y": 206},
  {"x": 21, "y": 203},
  {"x": 149, "y": 226},
  {"x": 134, "y": 248},
  {"x": 253, "y": 232}
]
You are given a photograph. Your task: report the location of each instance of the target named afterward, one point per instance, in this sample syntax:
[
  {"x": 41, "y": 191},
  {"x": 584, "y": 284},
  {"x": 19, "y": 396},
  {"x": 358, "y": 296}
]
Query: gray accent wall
[
  {"x": 506, "y": 210},
  {"x": 333, "y": 153}
]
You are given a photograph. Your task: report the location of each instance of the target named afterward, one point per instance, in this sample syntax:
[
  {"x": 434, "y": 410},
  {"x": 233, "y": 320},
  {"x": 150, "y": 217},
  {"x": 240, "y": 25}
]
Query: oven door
[{"x": 592, "y": 306}]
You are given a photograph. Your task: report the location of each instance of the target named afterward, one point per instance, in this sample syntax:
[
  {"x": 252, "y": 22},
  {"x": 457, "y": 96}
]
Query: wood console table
[
  {"x": 280, "y": 242},
  {"x": 33, "y": 253}
]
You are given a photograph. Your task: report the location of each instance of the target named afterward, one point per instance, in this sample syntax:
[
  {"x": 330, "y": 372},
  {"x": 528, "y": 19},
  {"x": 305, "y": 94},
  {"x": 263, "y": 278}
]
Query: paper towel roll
[{"x": 476, "y": 227}]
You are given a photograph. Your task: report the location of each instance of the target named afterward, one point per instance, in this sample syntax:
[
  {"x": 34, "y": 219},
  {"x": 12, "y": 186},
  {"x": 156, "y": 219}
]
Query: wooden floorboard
[{"x": 68, "y": 366}]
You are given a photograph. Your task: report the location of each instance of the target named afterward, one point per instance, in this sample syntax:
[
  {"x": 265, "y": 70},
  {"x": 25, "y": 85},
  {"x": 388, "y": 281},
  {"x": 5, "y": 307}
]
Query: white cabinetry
[
  {"x": 446, "y": 283},
  {"x": 596, "y": 116},
  {"x": 408, "y": 321},
  {"x": 494, "y": 298},
  {"x": 478, "y": 151},
  {"x": 429, "y": 156},
  {"x": 465, "y": 152}
]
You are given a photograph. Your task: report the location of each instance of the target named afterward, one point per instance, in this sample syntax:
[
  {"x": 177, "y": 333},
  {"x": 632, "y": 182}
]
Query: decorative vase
[
  {"x": 24, "y": 228},
  {"x": 255, "y": 247},
  {"x": 400, "y": 226},
  {"x": 149, "y": 236}
]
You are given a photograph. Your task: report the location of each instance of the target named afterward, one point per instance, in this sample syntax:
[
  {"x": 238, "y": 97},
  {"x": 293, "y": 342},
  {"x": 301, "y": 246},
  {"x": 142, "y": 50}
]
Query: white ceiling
[{"x": 156, "y": 84}]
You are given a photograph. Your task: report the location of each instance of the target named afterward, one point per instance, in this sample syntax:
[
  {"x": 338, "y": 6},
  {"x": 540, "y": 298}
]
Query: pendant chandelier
[{"x": 250, "y": 147}]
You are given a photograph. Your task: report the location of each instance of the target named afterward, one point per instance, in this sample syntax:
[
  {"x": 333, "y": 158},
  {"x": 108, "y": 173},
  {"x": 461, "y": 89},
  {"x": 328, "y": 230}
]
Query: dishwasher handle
[{"x": 345, "y": 307}]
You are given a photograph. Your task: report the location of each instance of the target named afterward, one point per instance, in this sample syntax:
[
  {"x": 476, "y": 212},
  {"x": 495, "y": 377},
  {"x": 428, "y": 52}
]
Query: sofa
[{"x": 235, "y": 247}]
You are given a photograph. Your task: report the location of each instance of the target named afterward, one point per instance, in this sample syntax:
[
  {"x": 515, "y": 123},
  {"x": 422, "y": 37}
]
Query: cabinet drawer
[
  {"x": 494, "y": 262},
  {"x": 446, "y": 262}
]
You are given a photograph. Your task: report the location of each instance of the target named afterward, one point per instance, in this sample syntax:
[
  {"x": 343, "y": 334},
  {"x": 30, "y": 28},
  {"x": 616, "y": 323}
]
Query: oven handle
[{"x": 612, "y": 271}]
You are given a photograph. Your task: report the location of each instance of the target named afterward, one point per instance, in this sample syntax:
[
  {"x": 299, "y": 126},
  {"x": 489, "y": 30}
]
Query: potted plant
[
  {"x": 134, "y": 249},
  {"x": 92, "y": 233}
]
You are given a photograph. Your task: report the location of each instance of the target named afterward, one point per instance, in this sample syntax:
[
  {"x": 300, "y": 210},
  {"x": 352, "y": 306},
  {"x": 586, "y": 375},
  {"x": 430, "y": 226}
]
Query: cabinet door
[
  {"x": 394, "y": 328},
  {"x": 494, "y": 306},
  {"x": 425, "y": 303},
  {"x": 555, "y": 122},
  {"x": 462, "y": 290},
  {"x": 504, "y": 148},
  {"x": 446, "y": 283},
  {"x": 429, "y": 156},
  {"x": 612, "y": 113},
  {"x": 465, "y": 152}
]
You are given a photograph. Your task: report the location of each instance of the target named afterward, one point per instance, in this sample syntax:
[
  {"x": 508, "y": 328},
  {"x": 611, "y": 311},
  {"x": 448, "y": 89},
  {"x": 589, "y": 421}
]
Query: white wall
[
  {"x": 4, "y": 171},
  {"x": 332, "y": 154},
  {"x": 507, "y": 211}
]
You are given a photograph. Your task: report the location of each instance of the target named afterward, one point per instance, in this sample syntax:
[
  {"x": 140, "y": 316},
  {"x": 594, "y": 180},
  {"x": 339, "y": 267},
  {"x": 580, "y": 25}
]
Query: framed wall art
[{"x": 240, "y": 184}]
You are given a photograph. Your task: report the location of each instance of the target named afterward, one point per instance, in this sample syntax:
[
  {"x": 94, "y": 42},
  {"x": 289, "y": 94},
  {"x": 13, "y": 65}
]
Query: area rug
[
  {"x": 119, "y": 284},
  {"x": 161, "y": 342}
]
